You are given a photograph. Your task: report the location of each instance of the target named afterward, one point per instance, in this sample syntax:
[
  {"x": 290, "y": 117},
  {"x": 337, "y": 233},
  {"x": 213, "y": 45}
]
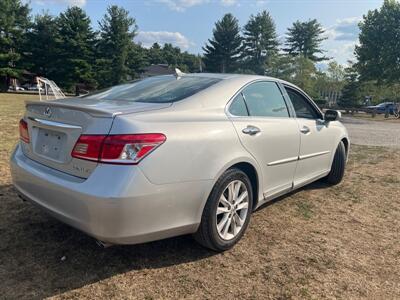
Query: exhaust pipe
[{"x": 102, "y": 244}]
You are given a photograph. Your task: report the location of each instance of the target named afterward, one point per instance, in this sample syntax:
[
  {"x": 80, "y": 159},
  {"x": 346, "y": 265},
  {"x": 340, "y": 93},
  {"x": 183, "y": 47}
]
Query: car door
[
  {"x": 261, "y": 118},
  {"x": 316, "y": 139}
]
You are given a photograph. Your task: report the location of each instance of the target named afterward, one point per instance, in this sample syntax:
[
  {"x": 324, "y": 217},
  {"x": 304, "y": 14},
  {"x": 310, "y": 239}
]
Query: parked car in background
[
  {"x": 34, "y": 88},
  {"x": 16, "y": 88},
  {"x": 383, "y": 108},
  {"x": 171, "y": 155}
]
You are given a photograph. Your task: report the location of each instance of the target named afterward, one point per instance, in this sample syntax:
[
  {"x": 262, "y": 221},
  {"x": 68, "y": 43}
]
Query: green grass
[
  {"x": 12, "y": 108},
  {"x": 305, "y": 209}
]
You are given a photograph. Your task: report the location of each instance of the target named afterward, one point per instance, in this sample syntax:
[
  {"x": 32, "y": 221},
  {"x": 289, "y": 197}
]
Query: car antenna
[{"x": 178, "y": 73}]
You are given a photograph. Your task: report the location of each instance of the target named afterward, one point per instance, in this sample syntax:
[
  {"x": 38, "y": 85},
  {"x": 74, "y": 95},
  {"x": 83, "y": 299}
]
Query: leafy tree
[
  {"x": 304, "y": 38},
  {"x": 304, "y": 75},
  {"x": 333, "y": 79},
  {"x": 222, "y": 53},
  {"x": 14, "y": 23},
  {"x": 260, "y": 41},
  {"x": 378, "y": 52},
  {"x": 298, "y": 70},
  {"x": 117, "y": 30},
  {"x": 328, "y": 84},
  {"x": 335, "y": 72},
  {"x": 76, "y": 49},
  {"x": 42, "y": 45}
]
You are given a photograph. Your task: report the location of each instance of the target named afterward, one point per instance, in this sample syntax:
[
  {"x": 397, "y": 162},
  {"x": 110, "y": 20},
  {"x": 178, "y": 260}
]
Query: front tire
[
  {"x": 227, "y": 212},
  {"x": 336, "y": 174}
]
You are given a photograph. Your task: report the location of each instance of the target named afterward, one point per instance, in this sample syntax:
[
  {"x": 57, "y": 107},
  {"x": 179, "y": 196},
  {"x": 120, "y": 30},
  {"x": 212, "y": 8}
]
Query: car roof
[
  {"x": 227, "y": 76},
  {"x": 242, "y": 77}
]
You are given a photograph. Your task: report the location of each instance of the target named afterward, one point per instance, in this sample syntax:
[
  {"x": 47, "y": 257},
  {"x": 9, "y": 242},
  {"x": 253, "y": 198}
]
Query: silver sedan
[{"x": 172, "y": 155}]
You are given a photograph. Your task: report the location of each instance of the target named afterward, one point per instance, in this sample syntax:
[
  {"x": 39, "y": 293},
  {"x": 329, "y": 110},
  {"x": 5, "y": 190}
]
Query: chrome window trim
[{"x": 240, "y": 91}]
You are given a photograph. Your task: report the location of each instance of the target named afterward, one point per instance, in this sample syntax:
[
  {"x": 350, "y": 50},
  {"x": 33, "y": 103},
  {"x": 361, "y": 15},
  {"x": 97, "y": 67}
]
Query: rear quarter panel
[{"x": 200, "y": 144}]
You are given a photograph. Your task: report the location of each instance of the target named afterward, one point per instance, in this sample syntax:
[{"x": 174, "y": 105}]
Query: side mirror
[{"x": 332, "y": 115}]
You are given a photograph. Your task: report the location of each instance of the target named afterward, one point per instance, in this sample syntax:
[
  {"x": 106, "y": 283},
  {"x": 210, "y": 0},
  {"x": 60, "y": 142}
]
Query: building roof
[{"x": 160, "y": 69}]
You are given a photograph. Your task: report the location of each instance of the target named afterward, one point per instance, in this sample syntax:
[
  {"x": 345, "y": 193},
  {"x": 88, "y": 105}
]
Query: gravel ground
[{"x": 372, "y": 133}]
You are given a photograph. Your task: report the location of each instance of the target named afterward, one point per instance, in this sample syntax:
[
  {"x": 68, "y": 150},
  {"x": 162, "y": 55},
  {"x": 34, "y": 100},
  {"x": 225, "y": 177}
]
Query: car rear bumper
[{"x": 116, "y": 204}]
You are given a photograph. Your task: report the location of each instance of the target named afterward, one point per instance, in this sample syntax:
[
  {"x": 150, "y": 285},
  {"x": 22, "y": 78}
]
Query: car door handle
[
  {"x": 305, "y": 130},
  {"x": 251, "y": 130}
]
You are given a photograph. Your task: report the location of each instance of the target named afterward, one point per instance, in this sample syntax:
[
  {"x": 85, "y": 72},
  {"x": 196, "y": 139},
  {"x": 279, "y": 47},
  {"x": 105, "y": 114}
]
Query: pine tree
[
  {"x": 75, "y": 44},
  {"x": 304, "y": 38},
  {"x": 260, "y": 42},
  {"x": 222, "y": 53},
  {"x": 117, "y": 30},
  {"x": 281, "y": 66},
  {"x": 154, "y": 54},
  {"x": 190, "y": 62},
  {"x": 136, "y": 61},
  {"x": 171, "y": 55},
  {"x": 14, "y": 23},
  {"x": 351, "y": 91},
  {"x": 42, "y": 46}
]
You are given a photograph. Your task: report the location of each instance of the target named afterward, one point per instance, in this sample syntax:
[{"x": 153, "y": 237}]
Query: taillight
[
  {"x": 23, "y": 131},
  {"x": 117, "y": 149},
  {"x": 130, "y": 148},
  {"x": 88, "y": 147}
]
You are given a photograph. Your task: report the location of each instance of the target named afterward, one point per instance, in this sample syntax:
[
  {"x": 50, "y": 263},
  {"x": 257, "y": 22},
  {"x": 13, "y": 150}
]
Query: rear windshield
[{"x": 159, "y": 89}]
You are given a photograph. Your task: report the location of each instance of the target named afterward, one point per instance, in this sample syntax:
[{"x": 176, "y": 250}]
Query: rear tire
[
  {"x": 336, "y": 174},
  {"x": 212, "y": 233}
]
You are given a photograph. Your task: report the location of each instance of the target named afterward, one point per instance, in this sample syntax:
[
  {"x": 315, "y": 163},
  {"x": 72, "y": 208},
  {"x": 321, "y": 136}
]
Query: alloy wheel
[{"x": 232, "y": 210}]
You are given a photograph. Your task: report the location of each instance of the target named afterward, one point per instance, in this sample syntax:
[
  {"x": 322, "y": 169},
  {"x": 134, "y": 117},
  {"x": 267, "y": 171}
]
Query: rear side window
[
  {"x": 238, "y": 106},
  {"x": 264, "y": 99},
  {"x": 158, "y": 89},
  {"x": 303, "y": 107}
]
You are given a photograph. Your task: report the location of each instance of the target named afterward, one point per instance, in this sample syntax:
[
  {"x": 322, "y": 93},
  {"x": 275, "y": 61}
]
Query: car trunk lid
[{"x": 55, "y": 126}]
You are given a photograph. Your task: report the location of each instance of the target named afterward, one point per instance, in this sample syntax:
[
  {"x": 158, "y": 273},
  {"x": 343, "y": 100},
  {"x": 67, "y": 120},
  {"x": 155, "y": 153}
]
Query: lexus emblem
[{"x": 47, "y": 112}]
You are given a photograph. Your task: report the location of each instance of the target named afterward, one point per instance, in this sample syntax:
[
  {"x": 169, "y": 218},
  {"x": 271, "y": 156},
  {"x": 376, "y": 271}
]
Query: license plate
[{"x": 50, "y": 143}]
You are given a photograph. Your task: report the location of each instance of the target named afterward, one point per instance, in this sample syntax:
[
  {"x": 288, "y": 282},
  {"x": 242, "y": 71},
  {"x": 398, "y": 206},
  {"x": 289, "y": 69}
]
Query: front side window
[
  {"x": 302, "y": 107},
  {"x": 158, "y": 89},
  {"x": 264, "y": 99}
]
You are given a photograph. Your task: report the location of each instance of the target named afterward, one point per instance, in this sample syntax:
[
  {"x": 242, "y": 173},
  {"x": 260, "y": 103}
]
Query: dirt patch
[{"x": 319, "y": 242}]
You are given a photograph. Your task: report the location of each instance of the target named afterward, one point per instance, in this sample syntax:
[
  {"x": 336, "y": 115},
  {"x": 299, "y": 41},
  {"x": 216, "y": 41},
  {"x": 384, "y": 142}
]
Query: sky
[{"x": 188, "y": 24}]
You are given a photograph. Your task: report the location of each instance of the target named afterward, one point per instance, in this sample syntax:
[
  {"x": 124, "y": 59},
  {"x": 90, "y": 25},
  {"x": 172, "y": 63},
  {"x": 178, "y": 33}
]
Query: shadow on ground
[
  {"x": 33, "y": 245},
  {"x": 317, "y": 185}
]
